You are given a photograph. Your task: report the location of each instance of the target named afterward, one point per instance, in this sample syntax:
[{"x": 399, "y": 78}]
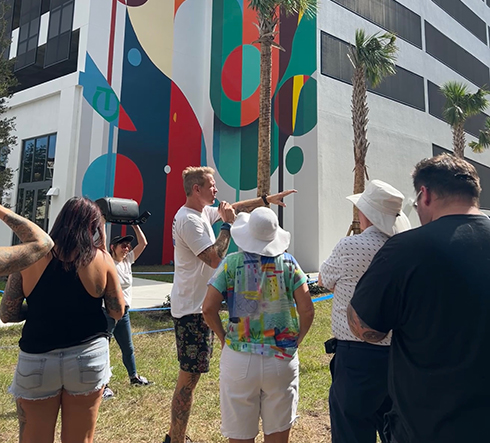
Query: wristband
[
  {"x": 225, "y": 226},
  {"x": 264, "y": 199}
]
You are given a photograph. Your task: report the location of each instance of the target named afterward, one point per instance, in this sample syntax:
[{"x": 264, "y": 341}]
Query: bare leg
[
  {"x": 181, "y": 405},
  {"x": 278, "y": 437},
  {"x": 78, "y": 416},
  {"x": 37, "y": 419}
]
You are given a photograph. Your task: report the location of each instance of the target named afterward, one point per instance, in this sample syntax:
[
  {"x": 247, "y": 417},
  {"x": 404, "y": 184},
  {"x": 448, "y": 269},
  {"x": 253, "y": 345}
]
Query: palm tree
[
  {"x": 373, "y": 59},
  {"x": 483, "y": 140},
  {"x": 461, "y": 104},
  {"x": 268, "y": 19}
]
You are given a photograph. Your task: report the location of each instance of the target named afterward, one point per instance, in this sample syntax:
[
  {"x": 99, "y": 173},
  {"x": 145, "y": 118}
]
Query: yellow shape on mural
[
  {"x": 153, "y": 24},
  {"x": 298, "y": 83}
]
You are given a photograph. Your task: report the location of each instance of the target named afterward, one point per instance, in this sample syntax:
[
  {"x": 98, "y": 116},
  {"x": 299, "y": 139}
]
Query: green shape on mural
[
  {"x": 306, "y": 115},
  {"x": 294, "y": 160},
  {"x": 250, "y": 70}
]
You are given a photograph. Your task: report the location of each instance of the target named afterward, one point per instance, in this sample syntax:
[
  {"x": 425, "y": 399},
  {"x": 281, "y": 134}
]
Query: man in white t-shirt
[{"x": 197, "y": 253}]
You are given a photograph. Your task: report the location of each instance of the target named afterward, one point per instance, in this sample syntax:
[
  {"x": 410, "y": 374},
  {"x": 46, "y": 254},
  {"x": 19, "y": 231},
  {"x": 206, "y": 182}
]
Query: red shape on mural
[
  {"x": 184, "y": 149},
  {"x": 231, "y": 75},
  {"x": 133, "y": 3},
  {"x": 128, "y": 182},
  {"x": 125, "y": 121}
]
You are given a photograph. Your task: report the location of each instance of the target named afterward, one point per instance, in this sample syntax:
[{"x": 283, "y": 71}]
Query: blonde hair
[{"x": 195, "y": 175}]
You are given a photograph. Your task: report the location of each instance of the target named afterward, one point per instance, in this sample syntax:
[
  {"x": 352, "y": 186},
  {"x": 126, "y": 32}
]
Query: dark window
[
  {"x": 35, "y": 179},
  {"x": 464, "y": 15},
  {"x": 483, "y": 172},
  {"x": 389, "y": 15},
  {"x": 37, "y": 74},
  {"x": 30, "y": 18},
  {"x": 404, "y": 87},
  {"x": 436, "y": 105},
  {"x": 454, "y": 56},
  {"x": 59, "y": 32}
]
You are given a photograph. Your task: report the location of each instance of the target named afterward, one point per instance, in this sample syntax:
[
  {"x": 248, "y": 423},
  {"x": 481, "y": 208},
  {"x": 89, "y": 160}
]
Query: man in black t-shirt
[{"x": 431, "y": 287}]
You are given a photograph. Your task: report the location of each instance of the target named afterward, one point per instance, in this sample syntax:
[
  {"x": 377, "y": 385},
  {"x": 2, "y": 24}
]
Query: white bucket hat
[
  {"x": 259, "y": 232},
  {"x": 381, "y": 203}
]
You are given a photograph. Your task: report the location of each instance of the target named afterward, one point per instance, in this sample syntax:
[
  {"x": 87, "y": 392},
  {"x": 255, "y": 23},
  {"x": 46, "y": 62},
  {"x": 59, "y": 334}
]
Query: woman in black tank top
[{"x": 64, "y": 353}]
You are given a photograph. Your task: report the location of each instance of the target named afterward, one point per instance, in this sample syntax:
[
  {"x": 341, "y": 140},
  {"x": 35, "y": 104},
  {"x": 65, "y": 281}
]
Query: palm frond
[
  {"x": 267, "y": 8},
  {"x": 483, "y": 139},
  {"x": 461, "y": 103},
  {"x": 376, "y": 54}
]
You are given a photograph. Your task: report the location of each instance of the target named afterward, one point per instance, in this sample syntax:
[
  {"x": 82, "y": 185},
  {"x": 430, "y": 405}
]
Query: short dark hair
[
  {"x": 449, "y": 177},
  {"x": 77, "y": 232}
]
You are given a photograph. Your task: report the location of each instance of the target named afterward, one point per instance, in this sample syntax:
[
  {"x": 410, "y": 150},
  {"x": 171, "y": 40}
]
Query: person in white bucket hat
[
  {"x": 266, "y": 291},
  {"x": 358, "y": 396}
]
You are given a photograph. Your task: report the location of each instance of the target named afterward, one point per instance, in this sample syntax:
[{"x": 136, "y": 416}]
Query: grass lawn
[{"x": 141, "y": 415}]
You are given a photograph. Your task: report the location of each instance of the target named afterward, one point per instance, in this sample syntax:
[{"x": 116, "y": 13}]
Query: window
[
  {"x": 436, "y": 105},
  {"x": 483, "y": 172},
  {"x": 454, "y": 56},
  {"x": 389, "y": 15},
  {"x": 59, "y": 32},
  {"x": 465, "y": 16},
  {"x": 30, "y": 18},
  {"x": 404, "y": 87},
  {"x": 36, "y": 177}
]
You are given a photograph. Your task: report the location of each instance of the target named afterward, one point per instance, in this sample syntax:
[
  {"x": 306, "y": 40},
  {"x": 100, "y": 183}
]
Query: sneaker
[
  {"x": 138, "y": 380},
  {"x": 108, "y": 393},
  {"x": 167, "y": 439}
]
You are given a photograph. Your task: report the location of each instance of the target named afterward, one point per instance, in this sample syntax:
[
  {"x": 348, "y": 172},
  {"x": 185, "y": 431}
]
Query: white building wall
[{"x": 399, "y": 135}]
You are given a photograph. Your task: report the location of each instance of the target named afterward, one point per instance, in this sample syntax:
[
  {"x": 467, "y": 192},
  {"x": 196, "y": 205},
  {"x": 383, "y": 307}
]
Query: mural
[{"x": 189, "y": 96}]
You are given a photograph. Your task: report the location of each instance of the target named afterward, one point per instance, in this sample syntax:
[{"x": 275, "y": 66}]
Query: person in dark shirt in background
[{"x": 430, "y": 286}]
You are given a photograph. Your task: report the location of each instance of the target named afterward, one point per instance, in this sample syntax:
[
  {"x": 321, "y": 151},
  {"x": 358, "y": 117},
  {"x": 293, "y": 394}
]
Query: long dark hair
[{"x": 74, "y": 232}]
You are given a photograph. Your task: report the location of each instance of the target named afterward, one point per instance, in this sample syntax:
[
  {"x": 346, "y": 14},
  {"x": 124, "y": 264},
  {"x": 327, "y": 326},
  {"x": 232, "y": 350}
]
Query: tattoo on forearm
[
  {"x": 11, "y": 310},
  {"x": 222, "y": 243},
  {"x": 248, "y": 205},
  {"x": 181, "y": 408},
  {"x": 361, "y": 329},
  {"x": 36, "y": 244},
  {"x": 112, "y": 302},
  {"x": 220, "y": 247}
]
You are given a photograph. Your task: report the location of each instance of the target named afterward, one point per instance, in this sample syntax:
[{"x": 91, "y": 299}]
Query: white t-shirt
[
  {"x": 126, "y": 276},
  {"x": 192, "y": 233}
]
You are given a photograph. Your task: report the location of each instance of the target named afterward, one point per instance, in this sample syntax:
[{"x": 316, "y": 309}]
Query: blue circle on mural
[
  {"x": 294, "y": 160},
  {"x": 134, "y": 57},
  {"x": 94, "y": 183}
]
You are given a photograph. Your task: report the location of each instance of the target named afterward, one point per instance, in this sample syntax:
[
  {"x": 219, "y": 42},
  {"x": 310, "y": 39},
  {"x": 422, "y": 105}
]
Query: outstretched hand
[{"x": 276, "y": 199}]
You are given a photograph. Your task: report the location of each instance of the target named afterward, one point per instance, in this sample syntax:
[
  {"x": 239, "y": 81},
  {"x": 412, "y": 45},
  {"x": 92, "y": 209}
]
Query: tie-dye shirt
[{"x": 259, "y": 292}]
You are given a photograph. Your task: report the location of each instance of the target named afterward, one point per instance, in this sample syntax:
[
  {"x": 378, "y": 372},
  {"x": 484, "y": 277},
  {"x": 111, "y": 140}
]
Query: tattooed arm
[
  {"x": 12, "y": 309},
  {"x": 361, "y": 330},
  {"x": 213, "y": 255},
  {"x": 113, "y": 295},
  {"x": 35, "y": 243},
  {"x": 210, "y": 311},
  {"x": 250, "y": 205}
]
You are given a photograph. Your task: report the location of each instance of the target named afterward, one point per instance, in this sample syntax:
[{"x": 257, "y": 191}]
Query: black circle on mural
[{"x": 133, "y": 3}]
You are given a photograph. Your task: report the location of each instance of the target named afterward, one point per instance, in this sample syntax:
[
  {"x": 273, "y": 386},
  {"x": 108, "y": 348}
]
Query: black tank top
[{"x": 61, "y": 313}]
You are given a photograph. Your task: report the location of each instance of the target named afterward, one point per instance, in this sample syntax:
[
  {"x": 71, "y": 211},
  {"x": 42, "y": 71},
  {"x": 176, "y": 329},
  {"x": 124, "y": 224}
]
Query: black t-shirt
[{"x": 431, "y": 286}]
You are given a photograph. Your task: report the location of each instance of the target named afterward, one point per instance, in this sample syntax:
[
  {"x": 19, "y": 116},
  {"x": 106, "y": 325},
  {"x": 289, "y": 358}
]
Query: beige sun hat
[
  {"x": 381, "y": 203},
  {"x": 259, "y": 232}
]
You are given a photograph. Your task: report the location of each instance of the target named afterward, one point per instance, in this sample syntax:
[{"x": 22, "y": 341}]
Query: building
[{"x": 116, "y": 97}]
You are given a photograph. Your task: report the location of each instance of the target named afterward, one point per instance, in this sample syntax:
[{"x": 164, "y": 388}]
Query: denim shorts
[{"x": 79, "y": 370}]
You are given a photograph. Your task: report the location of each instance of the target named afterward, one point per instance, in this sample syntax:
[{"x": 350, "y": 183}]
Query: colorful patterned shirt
[{"x": 259, "y": 292}]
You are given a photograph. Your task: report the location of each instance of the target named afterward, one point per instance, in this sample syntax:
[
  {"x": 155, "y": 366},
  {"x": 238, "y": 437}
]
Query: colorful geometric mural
[{"x": 178, "y": 108}]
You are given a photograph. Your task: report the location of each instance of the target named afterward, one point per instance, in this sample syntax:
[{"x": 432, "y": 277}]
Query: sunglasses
[{"x": 415, "y": 204}]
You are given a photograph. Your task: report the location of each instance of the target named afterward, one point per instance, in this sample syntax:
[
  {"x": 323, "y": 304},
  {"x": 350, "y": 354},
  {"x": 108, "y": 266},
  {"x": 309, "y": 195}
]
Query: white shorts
[{"x": 253, "y": 386}]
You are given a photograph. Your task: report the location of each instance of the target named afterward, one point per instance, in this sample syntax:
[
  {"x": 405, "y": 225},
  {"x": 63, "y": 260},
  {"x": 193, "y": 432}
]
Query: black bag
[
  {"x": 121, "y": 211},
  {"x": 331, "y": 346}
]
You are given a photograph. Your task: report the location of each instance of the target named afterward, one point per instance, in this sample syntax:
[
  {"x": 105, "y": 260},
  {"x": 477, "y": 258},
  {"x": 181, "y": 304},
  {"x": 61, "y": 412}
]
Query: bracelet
[
  {"x": 264, "y": 199},
  {"x": 225, "y": 226}
]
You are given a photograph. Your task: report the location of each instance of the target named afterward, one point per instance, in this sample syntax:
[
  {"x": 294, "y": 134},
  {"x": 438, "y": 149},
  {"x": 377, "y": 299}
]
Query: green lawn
[{"x": 140, "y": 415}]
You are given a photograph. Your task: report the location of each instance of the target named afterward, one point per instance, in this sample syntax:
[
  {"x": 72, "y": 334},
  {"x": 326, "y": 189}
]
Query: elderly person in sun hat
[
  {"x": 359, "y": 393},
  {"x": 266, "y": 292}
]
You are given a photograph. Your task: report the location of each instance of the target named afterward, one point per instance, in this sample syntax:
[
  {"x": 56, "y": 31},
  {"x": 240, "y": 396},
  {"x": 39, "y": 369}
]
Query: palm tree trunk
[
  {"x": 459, "y": 140},
  {"x": 360, "y": 120},
  {"x": 264, "y": 153}
]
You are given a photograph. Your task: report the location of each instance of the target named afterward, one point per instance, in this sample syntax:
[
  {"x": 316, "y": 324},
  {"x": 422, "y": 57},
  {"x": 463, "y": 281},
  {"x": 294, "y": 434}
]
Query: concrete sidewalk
[{"x": 146, "y": 294}]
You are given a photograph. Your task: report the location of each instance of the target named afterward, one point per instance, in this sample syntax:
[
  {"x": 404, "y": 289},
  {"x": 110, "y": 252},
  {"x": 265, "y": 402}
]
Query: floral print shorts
[{"x": 194, "y": 343}]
